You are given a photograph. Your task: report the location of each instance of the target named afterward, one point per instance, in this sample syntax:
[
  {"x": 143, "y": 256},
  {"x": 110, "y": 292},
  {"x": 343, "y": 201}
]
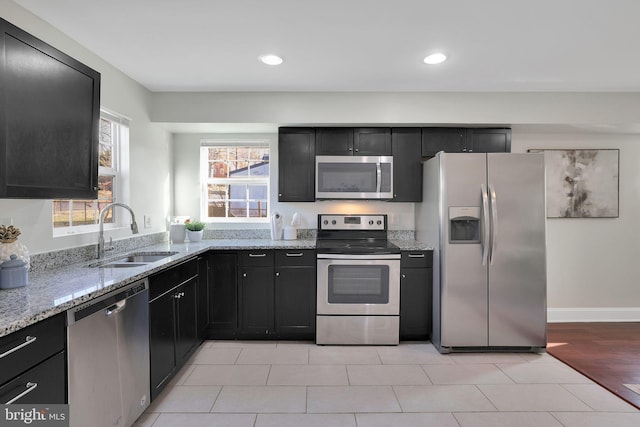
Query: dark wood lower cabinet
[
  {"x": 203, "y": 296},
  {"x": 256, "y": 303},
  {"x": 44, "y": 383},
  {"x": 263, "y": 294},
  {"x": 295, "y": 295},
  {"x": 173, "y": 331},
  {"x": 416, "y": 283},
  {"x": 223, "y": 295},
  {"x": 33, "y": 365}
]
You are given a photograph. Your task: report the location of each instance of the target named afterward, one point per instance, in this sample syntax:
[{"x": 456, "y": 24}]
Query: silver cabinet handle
[
  {"x": 416, "y": 255},
  {"x": 404, "y": 276},
  {"x": 257, "y": 255},
  {"x": 278, "y": 274},
  {"x": 28, "y": 340},
  {"x": 30, "y": 387},
  {"x": 244, "y": 274},
  {"x": 295, "y": 255}
]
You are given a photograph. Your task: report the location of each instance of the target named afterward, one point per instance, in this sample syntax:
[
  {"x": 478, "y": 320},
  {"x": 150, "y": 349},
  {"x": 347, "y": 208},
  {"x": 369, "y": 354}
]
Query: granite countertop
[{"x": 53, "y": 291}]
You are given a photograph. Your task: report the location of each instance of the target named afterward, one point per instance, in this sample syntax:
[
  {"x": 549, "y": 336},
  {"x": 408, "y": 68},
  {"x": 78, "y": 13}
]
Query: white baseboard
[{"x": 594, "y": 314}]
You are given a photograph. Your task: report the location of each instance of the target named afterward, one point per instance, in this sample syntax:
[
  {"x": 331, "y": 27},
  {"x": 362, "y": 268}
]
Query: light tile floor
[{"x": 265, "y": 384}]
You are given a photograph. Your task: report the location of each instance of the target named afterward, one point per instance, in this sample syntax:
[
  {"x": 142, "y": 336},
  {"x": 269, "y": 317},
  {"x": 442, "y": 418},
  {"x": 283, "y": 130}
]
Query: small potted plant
[{"x": 195, "y": 230}]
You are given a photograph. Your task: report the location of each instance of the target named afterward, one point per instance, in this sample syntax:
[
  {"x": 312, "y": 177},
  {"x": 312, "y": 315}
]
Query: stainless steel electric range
[{"x": 358, "y": 281}]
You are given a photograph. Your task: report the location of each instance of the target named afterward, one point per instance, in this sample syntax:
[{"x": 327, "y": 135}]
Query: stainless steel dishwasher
[{"x": 108, "y": 343}]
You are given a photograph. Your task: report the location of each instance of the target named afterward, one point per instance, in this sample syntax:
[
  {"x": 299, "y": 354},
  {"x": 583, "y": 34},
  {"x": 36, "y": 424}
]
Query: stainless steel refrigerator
[{"x": 484, "y": 215}]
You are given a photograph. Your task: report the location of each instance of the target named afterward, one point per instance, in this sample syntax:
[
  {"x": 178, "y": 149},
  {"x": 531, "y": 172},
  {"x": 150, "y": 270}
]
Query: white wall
[
  {"x": 186, "y": 152},
  {"x": 593, "y": 269},
  {"x": 149, "y": 147}
]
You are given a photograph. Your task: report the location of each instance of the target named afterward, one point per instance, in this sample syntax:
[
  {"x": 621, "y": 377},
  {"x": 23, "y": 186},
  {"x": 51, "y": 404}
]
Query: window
[
  {"x": 235, "y": 180},
  {"x": 81, "y": 216}
]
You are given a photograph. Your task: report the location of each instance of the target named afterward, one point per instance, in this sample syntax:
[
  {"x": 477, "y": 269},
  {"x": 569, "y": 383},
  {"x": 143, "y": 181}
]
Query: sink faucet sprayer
[{"x": 134, "y": 226}]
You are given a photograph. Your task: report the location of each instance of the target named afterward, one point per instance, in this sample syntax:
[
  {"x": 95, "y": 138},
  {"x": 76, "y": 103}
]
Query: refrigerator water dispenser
[{"x": 464, "y": 224}]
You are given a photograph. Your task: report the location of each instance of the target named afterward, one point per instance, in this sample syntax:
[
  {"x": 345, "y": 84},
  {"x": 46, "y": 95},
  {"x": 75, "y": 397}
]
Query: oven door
[{"x": 358, "y": 284}]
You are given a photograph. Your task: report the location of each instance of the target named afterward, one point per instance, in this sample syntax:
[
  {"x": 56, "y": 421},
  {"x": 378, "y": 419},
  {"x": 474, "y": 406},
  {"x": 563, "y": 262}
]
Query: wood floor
[{"x": 607, "y": 353}]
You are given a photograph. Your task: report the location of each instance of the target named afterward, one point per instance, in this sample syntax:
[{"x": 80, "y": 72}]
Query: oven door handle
[{"x": 359, "y": 257}]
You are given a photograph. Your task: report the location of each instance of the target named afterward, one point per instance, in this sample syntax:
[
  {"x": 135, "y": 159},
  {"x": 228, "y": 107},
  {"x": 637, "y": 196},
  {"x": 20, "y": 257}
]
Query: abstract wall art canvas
[{"x": 582, "y": 183}]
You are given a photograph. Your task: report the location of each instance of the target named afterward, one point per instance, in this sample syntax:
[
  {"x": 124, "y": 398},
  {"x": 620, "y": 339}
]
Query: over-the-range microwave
[{"x": 354, "y": 177}]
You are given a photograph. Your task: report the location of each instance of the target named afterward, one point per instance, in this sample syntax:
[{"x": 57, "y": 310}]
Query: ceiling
[{"x": 360, "y": 45}]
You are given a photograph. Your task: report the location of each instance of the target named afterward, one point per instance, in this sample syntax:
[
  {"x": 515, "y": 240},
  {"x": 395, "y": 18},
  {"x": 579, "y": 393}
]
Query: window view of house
[{"x": 235, "y": 181}]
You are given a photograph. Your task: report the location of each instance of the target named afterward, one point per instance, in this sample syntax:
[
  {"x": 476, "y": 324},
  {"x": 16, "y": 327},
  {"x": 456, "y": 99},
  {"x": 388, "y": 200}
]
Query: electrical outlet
[{"x": 147, "y": 221}]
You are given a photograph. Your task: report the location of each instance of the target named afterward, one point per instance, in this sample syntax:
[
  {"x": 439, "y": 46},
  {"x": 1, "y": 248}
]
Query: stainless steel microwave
[{"x": 354, "y": 177}]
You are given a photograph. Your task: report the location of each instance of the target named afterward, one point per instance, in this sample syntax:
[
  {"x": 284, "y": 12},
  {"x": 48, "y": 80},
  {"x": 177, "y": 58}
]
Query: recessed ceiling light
[
  {"x": 271, "y": 59},
  {"x": 435, "y": 58}
]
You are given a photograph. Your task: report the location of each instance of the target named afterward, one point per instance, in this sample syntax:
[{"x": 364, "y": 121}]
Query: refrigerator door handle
[
  {"x": 494, "y": 222},
  {"x": 485, "y": 225}
]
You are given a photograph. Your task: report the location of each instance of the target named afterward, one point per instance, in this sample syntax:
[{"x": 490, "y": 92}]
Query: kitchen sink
[
  {"x": 135, "y": 259},
  {"x": 142, "y": 258}
]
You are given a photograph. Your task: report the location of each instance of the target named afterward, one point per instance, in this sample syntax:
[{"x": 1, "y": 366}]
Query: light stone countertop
[{"x": 51, "y": 292}]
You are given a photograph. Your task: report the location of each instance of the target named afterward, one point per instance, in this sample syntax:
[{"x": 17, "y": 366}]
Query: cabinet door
[
  {"x": 372, "y": 142},
  {"x": 203, "y": 295},
  {"x": 415, "y": 303},
  {"x": 334, "y": 141},
  {"x": 44, "y": 383},
  {"x": 256, "y": 302},
  {"x": 186, "y": 329},
  {"x": 296, "y": 165},
  {"x": 31, "y": 345},
  {"x": 490, "y": 140},
  {"x": 161, "y": 341},
  {"x": 295, "y": 302},
  {"x": 450, "y": 140},
  {"x": 223, "y": 295},
  {"x": 48, "y": 121},
  {"x": 407, "y": 164}
]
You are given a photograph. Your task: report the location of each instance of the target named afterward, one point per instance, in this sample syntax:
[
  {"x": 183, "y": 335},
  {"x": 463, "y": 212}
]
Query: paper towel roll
[{"x": 276, "y": 226}]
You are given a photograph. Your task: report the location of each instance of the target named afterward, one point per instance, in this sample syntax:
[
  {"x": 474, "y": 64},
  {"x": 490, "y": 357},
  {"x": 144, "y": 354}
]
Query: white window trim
[
  {"x": 121, "y": 180},
  {"x": 204, "y": 169}
]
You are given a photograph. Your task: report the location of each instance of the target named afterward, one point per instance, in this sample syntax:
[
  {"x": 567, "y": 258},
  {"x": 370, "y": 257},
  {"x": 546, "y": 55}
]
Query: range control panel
[{"x": 352, "y": 222}]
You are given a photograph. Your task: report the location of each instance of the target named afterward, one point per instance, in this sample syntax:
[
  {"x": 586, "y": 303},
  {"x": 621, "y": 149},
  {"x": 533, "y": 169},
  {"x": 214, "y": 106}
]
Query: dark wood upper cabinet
[
  {"x": 372, "y": 142},
  {"x": 490, "y": 140},
  {"x": 353, "y": 141},
  {"x": 407, "y": 165},
  {"x": 49, "y": 116},
  {"x": 334, "y": 141},
  {"x": 465, "y": 140},
  {"x": 442, "y": 139},
  {"x": 296, "y": 164}
]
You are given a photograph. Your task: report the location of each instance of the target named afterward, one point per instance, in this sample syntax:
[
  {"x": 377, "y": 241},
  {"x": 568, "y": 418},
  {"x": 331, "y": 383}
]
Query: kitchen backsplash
[{"x": 57, "y": 259}]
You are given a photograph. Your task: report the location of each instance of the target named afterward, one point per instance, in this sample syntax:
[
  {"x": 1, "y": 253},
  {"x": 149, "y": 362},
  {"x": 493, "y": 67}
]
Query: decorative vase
[
  {"x": 195, "y": 236},
  {"x": 177, "y": 233},
  {"x": 10, "y": 246}
]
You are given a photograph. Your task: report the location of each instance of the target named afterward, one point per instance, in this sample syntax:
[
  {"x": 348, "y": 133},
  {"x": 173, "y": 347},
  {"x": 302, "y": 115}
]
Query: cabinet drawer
[
  {"x": 296, "y": 257},
  {"x": 161, "y": 282},
  {"x": 45, "y": 383},
  {"x": 257, "y": 258},
  {"x": 30, "y": 346},
  {"x": 416, "y": 259}
]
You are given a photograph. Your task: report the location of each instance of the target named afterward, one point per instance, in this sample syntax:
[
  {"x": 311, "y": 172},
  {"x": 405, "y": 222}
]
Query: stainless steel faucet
[{"x": 134, "y": 226}]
